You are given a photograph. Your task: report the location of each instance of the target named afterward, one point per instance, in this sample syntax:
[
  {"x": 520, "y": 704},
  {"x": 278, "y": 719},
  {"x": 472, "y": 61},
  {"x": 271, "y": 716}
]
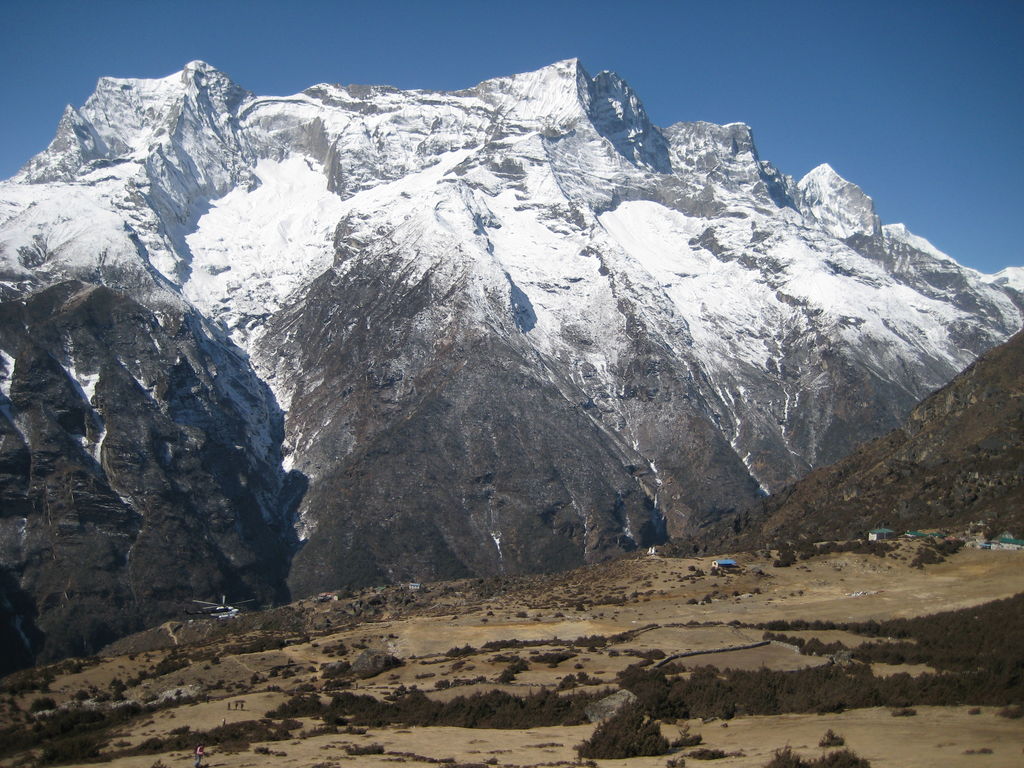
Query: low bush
[
  {"x": 831, "y": 739},
  {"x": 301, "y": 705},
  {"x": 491, "y": 709},
  {"x": 365, "y": 749},
  {"x": 41, "y": 704},
  {"x": 628, "y": 733},
  {"x": 705, "y": 753},
  {"x": 686, "y": 739},
  {"x": 74, "y": 750},
  {"x": 787, "y": 758},
  {"x": 553, "y": 658},
  {"x": 514, "y": 668}
]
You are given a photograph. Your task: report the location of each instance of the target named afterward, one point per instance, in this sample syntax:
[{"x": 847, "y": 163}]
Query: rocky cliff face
[
  {"x": 409, "y": 335},
  {"x": 139, "y": 468}
]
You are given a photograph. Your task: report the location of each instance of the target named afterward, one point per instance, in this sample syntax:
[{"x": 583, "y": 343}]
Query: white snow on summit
[
  {"x": 840, "y": 207},
  {"x": 1011, "y": 277}
]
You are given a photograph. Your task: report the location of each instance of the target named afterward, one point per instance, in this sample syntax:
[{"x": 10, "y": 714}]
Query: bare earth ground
[{"x": 651, "y": 598}]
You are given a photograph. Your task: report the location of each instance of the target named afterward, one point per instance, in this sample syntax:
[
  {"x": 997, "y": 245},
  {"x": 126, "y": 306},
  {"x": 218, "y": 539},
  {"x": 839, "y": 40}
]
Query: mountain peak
[
  {"x": 73, "y": 144},
  {"x": 124, "y": 116},
  {"x": 549, "y": 96},
  {"x": 838, "y": 206},
  {"x": 823, "y": 171},
  {"x": 1010, "y": 277},
  {"x": 198, "y": 65}
]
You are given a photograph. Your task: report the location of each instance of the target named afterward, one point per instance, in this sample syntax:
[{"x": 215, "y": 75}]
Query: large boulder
[
  {"x": 609, "y": 705},
  {"x": 371, "y": 663}
]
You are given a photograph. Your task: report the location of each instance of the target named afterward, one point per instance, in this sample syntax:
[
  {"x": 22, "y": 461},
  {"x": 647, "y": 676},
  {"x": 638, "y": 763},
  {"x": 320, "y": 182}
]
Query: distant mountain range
[{"x": 265, "y": 346}]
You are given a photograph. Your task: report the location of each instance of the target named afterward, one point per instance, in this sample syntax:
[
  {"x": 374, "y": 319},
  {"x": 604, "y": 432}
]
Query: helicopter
[{"x": 221, "y": 610}]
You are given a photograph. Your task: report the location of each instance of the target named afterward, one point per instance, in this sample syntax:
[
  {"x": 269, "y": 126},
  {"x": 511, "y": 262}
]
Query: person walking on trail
[{"x": 200, "y": 753}]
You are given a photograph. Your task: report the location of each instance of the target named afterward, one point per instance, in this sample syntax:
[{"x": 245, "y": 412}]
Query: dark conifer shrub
[{"x": 628, "y": 733}]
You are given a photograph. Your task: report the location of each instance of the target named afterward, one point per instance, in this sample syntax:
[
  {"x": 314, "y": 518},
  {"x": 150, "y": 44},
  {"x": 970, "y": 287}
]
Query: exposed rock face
[
  {"x": 133, "y": 475},
  {"x": 957, "y": 459},
  {"x": 512, "y": 328}
]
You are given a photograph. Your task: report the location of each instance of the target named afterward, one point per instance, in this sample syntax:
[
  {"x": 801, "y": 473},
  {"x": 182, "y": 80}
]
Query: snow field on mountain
[
  {"x": 65, "y": 228},
  {"x": 1012, "y": 277},
  {"x": 254, "y": 247},
  {"x": 7, "y": 374},
  {"x": 723, "y": 305}
]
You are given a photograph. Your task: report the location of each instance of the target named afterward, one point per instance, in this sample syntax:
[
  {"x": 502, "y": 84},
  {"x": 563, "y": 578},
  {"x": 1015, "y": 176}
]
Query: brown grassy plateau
[{"x": 644, "y": 610}]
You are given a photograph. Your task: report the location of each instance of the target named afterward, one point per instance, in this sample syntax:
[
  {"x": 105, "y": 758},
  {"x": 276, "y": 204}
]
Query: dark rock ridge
[
  {"x": 266, "y": 346},
  {"x": 120, "y": 504}
]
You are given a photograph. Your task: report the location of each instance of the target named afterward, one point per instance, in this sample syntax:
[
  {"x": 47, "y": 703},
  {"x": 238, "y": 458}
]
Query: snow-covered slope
[{"x": 514, "y": 314}]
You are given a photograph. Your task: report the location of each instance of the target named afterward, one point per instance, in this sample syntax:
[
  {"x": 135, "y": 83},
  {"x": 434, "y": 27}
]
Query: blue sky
[{"x": 921, "y": 103}]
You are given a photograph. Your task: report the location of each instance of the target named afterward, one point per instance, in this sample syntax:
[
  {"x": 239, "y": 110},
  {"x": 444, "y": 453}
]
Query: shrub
[
  {"x": 170, "y": 664},
  {"x": 73, "y": 750},
  {"x": 1014, "y": 712},
  {"x": 628, "y": 733},
  {"x": 301, "y": 705},
  {"x": 41, "y": 704},
  {"x": 334, "y": 669},
  {"x": 493, "y": 709},
  {"x": 831, "y": 739},
  {"x": 786, "y": 758},
  {"x": 554, "y": 658},
  {"x": 366, "y": 749},
  {"x": 844, "y": 758},
  {"x": 686, "y": 739},
  {"x": 704, "y": 753},
  {"x": 904, "y": 712},
  {"x": 509, "y": 673}
]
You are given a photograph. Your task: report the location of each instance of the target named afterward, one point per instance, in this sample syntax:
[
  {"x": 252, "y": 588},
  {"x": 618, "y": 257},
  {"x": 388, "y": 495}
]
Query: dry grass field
[{"x": 575, "y": 633}]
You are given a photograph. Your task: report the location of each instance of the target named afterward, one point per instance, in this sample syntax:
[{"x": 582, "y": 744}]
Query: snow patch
[
  {"x": 254, "y": 247},
  {"x": 7, "y": 375},
  {"x": 1011, "y": 277}
]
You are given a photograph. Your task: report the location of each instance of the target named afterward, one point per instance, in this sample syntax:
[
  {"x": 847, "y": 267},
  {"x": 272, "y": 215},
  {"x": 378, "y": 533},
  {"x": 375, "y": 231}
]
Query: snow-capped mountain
[{"x": 514, "y": 327}]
